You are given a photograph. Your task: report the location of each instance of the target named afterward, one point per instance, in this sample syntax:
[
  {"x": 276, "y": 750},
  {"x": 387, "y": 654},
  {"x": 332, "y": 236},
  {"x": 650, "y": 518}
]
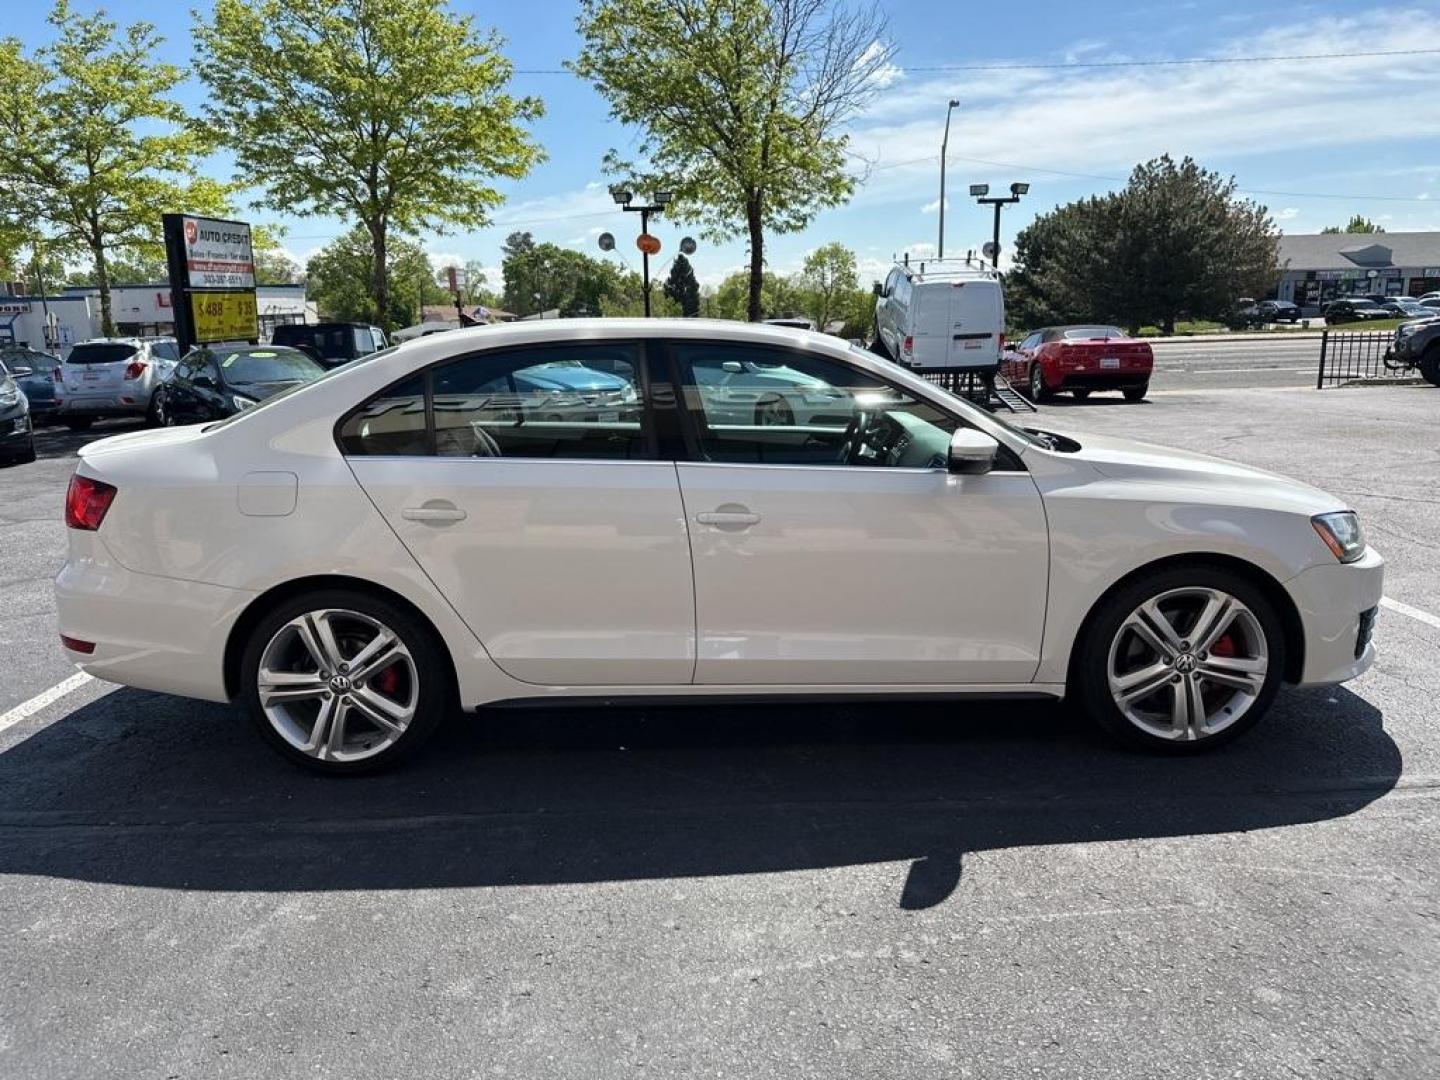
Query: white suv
[
  {"x": 108, "y": 377},
  {"x": 940, "y": 317}
]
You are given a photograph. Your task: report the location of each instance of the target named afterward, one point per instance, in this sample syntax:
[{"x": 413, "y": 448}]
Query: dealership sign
[
  {"x": 218, "y": 254},
  {"x": 223, "y": 316}
]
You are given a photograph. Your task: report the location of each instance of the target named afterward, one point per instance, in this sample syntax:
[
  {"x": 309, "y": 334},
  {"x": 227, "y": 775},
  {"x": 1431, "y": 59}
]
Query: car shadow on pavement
[{"x": 146, "y": 789}]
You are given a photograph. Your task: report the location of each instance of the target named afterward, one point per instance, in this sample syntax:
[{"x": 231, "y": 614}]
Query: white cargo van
[{"x": 941, "y": 315}]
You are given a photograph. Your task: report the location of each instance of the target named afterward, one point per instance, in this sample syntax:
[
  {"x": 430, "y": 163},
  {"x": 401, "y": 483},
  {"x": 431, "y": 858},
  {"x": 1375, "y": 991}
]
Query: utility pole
[
  {"x": 944, "y": 146},
  {"x": 980, "y": 191},
  {"x": 647, "y": 244}
]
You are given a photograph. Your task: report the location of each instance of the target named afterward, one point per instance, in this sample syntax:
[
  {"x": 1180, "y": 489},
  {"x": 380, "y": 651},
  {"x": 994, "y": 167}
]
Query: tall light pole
[
  {"x": 944, "y": 146},
  {"x": 648, "y": 244},
  {"x": 980, "y": 191}
]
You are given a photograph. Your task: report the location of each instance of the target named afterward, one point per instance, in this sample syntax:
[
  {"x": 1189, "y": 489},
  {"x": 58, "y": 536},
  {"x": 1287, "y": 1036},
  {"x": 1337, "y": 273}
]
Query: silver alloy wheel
[
  {"x": 1188, "y": 663},
  {"x": 1037, "y": 382},
  {"x": 338, "y": 685}
]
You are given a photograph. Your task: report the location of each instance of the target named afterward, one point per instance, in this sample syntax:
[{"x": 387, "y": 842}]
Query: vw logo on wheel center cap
[
  {"x": 1185, "y": 663},
  {"x": 340, "y": 684}
]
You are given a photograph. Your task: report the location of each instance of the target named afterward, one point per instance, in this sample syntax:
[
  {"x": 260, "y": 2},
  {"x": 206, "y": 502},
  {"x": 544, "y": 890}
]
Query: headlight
[
  {"x": 242, "y": 402},
  {"x": 1342, "y": 534},
  {"x": 9, "y": 395}
]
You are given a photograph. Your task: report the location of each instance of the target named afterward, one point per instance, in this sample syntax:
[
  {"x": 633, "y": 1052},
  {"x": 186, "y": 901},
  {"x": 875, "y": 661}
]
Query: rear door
[
  {"x": 97, "y": 369},
  {"x": 542, "y": 513},
  {"x": 976, "y": 319}
]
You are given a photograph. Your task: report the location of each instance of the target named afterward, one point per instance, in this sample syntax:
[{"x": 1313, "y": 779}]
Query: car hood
[
  {"x": 1200, "y": 475},
  {"x": 259, "y": 391}
]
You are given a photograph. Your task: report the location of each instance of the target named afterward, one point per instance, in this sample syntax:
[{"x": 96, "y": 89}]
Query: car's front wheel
[
  {"x": 1182, "y": 660},
  {"x": 1430, "y": 364},
  {"x": 344, "y": 682}
]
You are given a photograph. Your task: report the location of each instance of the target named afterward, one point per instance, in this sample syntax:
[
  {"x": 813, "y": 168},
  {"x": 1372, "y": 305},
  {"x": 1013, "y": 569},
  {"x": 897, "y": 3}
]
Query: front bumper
[
  {"x": 1333, "y": 601},
  {"x": 154, "y": 633}
]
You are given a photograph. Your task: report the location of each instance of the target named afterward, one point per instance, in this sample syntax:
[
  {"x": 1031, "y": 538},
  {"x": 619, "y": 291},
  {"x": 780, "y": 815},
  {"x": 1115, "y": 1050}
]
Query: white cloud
[
  {"x": 441, "y": 259},
  {"x": 933, "y": 205},
  {"x": 1289, "y": 213},
  {"x": 887, "y": 73}
]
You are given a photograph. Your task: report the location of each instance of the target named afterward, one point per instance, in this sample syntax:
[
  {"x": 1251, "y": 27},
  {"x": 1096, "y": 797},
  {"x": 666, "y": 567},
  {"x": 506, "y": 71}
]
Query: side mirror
[
  {"x": 972, "y": 453},
  {"x": 732, "y": 366},
  {"x": 878, "y": 289}
]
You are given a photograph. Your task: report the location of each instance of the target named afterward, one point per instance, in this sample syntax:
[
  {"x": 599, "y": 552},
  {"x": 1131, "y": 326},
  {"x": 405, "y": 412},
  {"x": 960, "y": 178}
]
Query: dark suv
[
  {"x": 1417, "y": 345},
  {"x": 331, "y": 343}
]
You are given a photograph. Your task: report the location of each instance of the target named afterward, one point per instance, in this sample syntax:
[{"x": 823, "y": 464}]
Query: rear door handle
[
  {"x": 729, "y": 516},
  {"x": 435, "y": 512}
]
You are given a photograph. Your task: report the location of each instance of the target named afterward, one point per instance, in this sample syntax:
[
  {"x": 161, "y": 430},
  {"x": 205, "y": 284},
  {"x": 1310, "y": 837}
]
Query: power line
[
  {"x": 1183, "y": 61},
  {"x": 1091, "y": 64}
]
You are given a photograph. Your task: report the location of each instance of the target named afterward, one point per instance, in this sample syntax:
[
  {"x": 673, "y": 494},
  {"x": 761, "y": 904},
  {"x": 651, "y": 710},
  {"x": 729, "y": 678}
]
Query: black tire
[
  {"x": 1035, "y": 385},
  {"x": 1430, "y": 364},
  {"x": 1082, "y": 394},
  {"x": 1089, "y": 667},
  {"x": 79, "y": 423},
  {"x": 878, "y": 345},
  {"x": 158, "y": 414},
  {"x": 436, "y": 690},
  {"x": 1136, "y": 393},
  {"x": 26, "y": 456}
]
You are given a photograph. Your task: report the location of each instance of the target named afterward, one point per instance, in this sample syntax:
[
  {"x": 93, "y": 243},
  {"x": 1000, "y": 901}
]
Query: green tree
[
  {"x": 393, "y": 113},
  {"x": 682, "y": 287},
  {"x": 340, "y": 276},
  {"x": 1356, "y": 224},
  {"x": 732, "y": 297},
  {"x": 1175, "y": 242},
  {"x": 92, "y": 146},
  {"x": 826, "y": 283},
  {"x": 742, "y": 104},
  {"x": 542, "y": 277}
]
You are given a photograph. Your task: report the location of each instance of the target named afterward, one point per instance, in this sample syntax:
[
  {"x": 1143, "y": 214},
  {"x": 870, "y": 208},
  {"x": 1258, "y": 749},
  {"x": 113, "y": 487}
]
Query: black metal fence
[{"x": 1349, "y": 356}]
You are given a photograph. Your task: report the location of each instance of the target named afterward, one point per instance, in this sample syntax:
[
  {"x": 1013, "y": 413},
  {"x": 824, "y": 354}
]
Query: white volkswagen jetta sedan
[{"x": 423, "y": 528}]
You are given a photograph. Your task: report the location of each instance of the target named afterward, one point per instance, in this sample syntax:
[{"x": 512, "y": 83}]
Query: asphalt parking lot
[{"x": 877, "y": 891}]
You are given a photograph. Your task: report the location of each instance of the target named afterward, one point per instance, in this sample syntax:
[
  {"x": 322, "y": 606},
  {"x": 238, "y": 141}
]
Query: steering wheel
[{"x": 857, "y": 435}]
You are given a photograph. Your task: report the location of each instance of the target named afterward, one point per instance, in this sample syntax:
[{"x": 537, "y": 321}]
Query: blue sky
[{"x": 1363, "y": 128}]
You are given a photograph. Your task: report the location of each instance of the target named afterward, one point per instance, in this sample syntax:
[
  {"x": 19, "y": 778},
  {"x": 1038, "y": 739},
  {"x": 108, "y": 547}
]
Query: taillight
[
  {"x": 908, "y": 346},
  {"x": 1002, "y": 342},
  {"x": 135, "y": 369},
  {"x": 86, "y": 502}
]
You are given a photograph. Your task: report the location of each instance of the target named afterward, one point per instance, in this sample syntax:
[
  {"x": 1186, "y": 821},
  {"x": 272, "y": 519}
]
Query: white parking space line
[
  {"x": 1412, "y": 612},
  {"x": 49, "y": 697}
]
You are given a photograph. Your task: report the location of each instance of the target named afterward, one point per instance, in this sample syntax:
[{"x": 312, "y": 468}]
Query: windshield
[
  {"x": 326, "y": 373},
  {"x": 101, "y": 352},
  {"x": 268, "y": 365}
]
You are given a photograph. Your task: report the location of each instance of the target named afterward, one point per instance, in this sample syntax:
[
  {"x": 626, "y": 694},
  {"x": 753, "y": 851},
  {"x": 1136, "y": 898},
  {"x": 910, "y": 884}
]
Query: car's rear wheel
[
  {"x": 1182, "y": 660},
  {"x": 344, "y": 682},
  {"x": 878, "y": 345},
  {"x": 1136, "y": 393},
  {"x": 79, "y": 423}
]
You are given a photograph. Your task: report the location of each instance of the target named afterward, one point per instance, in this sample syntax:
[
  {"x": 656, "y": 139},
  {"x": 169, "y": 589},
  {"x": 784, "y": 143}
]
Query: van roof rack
[{"x": 967, "y": 265}]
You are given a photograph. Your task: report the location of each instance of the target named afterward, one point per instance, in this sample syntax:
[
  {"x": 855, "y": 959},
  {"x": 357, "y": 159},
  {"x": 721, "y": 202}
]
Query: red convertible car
[{"x": 1079, "y": 359}]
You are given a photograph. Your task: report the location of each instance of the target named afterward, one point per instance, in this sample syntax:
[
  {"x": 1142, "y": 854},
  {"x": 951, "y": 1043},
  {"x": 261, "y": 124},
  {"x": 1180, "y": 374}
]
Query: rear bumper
[
  {"x": 1331, "y": 601},
  {"x": 1109, "y": 380},
  {"x": 150, "y": 632},
  {"x": 124, "y": 403}
]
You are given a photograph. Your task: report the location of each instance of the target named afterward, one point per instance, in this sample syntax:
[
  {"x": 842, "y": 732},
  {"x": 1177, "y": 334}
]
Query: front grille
[{"x": 1367, "y": 628}]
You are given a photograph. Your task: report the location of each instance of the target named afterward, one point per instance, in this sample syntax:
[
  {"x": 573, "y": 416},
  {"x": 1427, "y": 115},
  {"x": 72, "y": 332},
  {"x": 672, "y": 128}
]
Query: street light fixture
[
  {"x": 980, "y": 191},
  {"x": 662, "y": 199},
  {"x": 620, "y": 195},
  {"x": 944, "y": 147}
]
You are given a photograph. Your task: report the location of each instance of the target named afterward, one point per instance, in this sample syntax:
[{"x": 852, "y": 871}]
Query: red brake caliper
[
  {"x": 388, "y": 681},
  {"x": 1224, "y": 647}
]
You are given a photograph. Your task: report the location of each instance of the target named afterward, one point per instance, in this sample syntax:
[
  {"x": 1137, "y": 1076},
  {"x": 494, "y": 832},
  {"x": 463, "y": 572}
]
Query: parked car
[
  {"x": 1417, "y": 346},
  {"x": 331, "y": 343},
  {"x": 1081, "y": 360},
  {"x": 17, "y": 432},
  {"x": 940, "y": 316},
  {"x": 1352, "y": 310},
  {"x": 110, "y": 377},
  {"x": 38, "y": 376},
  {"x": 1402, "y": 307},
  {"x": 1273, "y": 311},
  {"x": 1429, "y": 302},
  {"x": 1429, "y": 297},
  {"x": 333, "y": 561},
  {"x": 213, "y": 383}
]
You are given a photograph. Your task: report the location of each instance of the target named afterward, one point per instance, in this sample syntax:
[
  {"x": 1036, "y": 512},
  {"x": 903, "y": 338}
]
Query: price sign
[{"x": 228, "y": 316}]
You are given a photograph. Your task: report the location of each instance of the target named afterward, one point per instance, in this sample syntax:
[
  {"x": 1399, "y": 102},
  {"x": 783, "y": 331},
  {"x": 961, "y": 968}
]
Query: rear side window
[
  {"x": 578, "y": 402},
  {"x": 165, "y": 350},
  {"x": 101, "y": 352}
]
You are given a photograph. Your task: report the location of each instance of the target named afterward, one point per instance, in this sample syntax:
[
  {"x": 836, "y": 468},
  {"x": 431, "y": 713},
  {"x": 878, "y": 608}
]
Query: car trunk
[
  {"x": 1105, "y": 356},
  {"x": 97, "y": 368}
]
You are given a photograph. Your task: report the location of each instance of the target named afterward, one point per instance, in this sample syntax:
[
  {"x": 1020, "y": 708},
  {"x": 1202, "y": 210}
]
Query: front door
[
  {"x": 532, "y": 499},
  {"x": 832, "y": 546}
]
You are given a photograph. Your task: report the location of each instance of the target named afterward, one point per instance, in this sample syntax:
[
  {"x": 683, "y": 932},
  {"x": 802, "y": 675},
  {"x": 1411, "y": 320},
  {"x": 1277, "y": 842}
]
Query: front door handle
[
  {"x": 729, "y": 516},
  {"x": 436, "y": 512}
]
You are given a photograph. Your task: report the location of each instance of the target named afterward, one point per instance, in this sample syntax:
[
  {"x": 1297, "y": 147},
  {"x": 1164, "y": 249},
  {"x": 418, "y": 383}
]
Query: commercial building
[
  {"x": 54, "y": 323},
  {"x": 1321, "y": 268}
]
